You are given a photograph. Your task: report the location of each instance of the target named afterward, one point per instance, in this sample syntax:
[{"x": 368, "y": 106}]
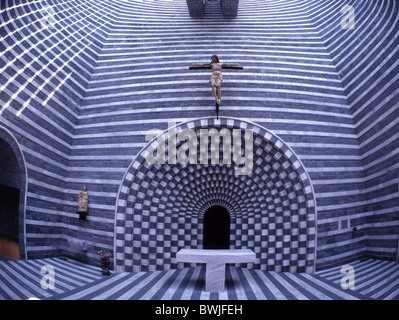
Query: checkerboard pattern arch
[{"x": 160, "y": 207}]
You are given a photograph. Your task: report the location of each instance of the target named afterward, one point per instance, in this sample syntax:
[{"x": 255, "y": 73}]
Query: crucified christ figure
[{"x": 217, "y": 77}]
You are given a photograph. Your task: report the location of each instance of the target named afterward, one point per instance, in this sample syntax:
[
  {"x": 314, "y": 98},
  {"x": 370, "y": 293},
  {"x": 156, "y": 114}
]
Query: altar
[{"x": 215, "y": 263}]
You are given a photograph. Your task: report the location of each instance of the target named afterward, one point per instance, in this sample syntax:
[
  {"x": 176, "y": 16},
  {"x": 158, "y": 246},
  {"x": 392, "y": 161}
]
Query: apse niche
[{"x": 165, "y": 207}]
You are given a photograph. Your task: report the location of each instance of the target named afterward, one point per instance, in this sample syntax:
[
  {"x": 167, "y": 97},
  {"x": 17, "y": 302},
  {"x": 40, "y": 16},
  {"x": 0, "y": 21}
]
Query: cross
[{"x": 217, "y": 77}]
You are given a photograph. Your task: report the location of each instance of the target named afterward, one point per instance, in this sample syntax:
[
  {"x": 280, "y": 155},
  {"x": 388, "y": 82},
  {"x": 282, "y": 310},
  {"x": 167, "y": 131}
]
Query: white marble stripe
[
  {"x": 76, "y": 270},
  {"x": 116, "y": 74},
  {"x": 336, "y": 114},
  {"x": 59, "y": 278},
  {"x": 73, "y": 263},
  {"x": 371, "y": 53},
  {"x": 307, "y": 98},
  {"x": 140, "y": 133},
  {"x": 393, "y": 296},
  {"x": 113, "y": 289},
  {"x": 294, "y": 63},
  {"x": 20, "y": 288},
  {"x": 222, "y": 295},
  {"x": 104, "y": 125},
  {"x": 150, "y": 19},
  {"x": 154, "y": 289},
  {"x": 44, "y": 144},
  {"x": 340, "y": 43},
  {"x": 250, "y": 6},
  {"x": 34, "y": 60},
  {"x": 354, "y": 204},
  {"x": 303, "y": 155},
  {"x": 362, "y": 269},
  {"x": 362, "y": 39},
  {"x": 369, "y": 272},
  {"x": 130, "y": 293},
  {"x": 207, "y": 295},
  {"x": 239, "y": 289},
  {"x": 70, "y": 227},
  {"x": 298, "y": 295},
  {"x": 334, "y": 274},
  {"x": 121, "y": 43},
  {"x": 344, "y": 294},
  {"x": 97, "y": 92},
  {"x": 29, "y": 280},
  {"x": 391, "y": 100},
  {"x": 32, "y": 279},
  {"x": 386, "y": 284},
  {"x": 191, "y": 285},
  {"x": 59, "y": 105},
  {"x": 198, "y": 43},
  {"x": 229, "y": 50},
  {"x": 387, "y": 154},
  {"x": 341, "y": 243},
  {"x": 274, "y": 290},
  {"x": 30, "y": 34},
  {"x": 388, "y": 74},
  {"x": 154, "y": 32},
  {"x": 35, "y": 182},
  {"x": 39, "y": 72},
  {"x": 108, "y": 146},
  {"x": 202, "y": 36},
  {"x": 253, "y": 284},
  {"x": 91, "y": 289},
  {"x": 394, "y": 293},
  {"x": 97, "y": 85},
  {"x": 330, "y": 274},
  {"x": 324, "y": 56},
  {"x": 10, "y": 293},
  {"x": 142, "y": 98},
  {"x": 175, "y": 285},
  {"x": 306, "y": 286},
  {"x": 379, "y": 276},
  {"x": 346, "y": 255},
  {"x": 325, "y": 24}
]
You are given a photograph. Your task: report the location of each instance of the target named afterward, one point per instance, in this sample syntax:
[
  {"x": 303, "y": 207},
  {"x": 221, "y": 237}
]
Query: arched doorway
[
  {"x": 216, "y": 228},
  {"x": 12, "y": 197}
]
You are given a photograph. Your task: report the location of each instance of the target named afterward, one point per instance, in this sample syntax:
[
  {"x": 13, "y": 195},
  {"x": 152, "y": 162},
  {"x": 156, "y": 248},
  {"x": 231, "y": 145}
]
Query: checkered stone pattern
[{"x": 161, "y": 206}]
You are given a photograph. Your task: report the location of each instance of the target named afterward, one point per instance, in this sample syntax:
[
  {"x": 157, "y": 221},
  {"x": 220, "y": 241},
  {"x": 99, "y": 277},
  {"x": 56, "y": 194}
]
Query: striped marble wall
[
  {"x": 81, "y": 91},
  {"x": 366, "y": 58},
  {"x": 48, "y": 51},
  {"x": 290, "y": 87}
]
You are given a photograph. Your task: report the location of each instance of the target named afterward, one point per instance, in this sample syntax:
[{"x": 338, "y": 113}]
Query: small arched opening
[{"x": 216, "y": 228}]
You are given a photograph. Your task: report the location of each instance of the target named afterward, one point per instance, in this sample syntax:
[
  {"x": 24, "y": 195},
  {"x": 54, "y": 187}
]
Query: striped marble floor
[
  {"x": 20, "y": 280},
  {"x": 376, "y": 279}
]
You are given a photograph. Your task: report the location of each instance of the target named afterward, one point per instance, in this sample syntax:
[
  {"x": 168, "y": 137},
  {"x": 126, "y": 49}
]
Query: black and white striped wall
[
  {"x": 366, "y": 59},
  {"x": 82, "y": 83}
]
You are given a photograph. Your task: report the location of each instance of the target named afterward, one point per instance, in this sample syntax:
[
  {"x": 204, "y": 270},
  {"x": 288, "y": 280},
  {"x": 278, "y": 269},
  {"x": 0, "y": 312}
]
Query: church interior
[{"x": 90, "y": 90}]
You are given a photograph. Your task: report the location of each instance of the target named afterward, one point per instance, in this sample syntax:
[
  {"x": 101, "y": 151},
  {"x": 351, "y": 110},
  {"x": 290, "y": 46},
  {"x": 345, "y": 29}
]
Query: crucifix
[{"x": 217, "y": 77}]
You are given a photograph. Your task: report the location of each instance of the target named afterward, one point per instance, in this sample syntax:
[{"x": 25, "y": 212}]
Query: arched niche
[{"x": 160, "y": 206}]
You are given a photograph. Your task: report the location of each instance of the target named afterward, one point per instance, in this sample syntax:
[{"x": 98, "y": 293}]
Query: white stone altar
[{"x": 215, "y": 263}]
